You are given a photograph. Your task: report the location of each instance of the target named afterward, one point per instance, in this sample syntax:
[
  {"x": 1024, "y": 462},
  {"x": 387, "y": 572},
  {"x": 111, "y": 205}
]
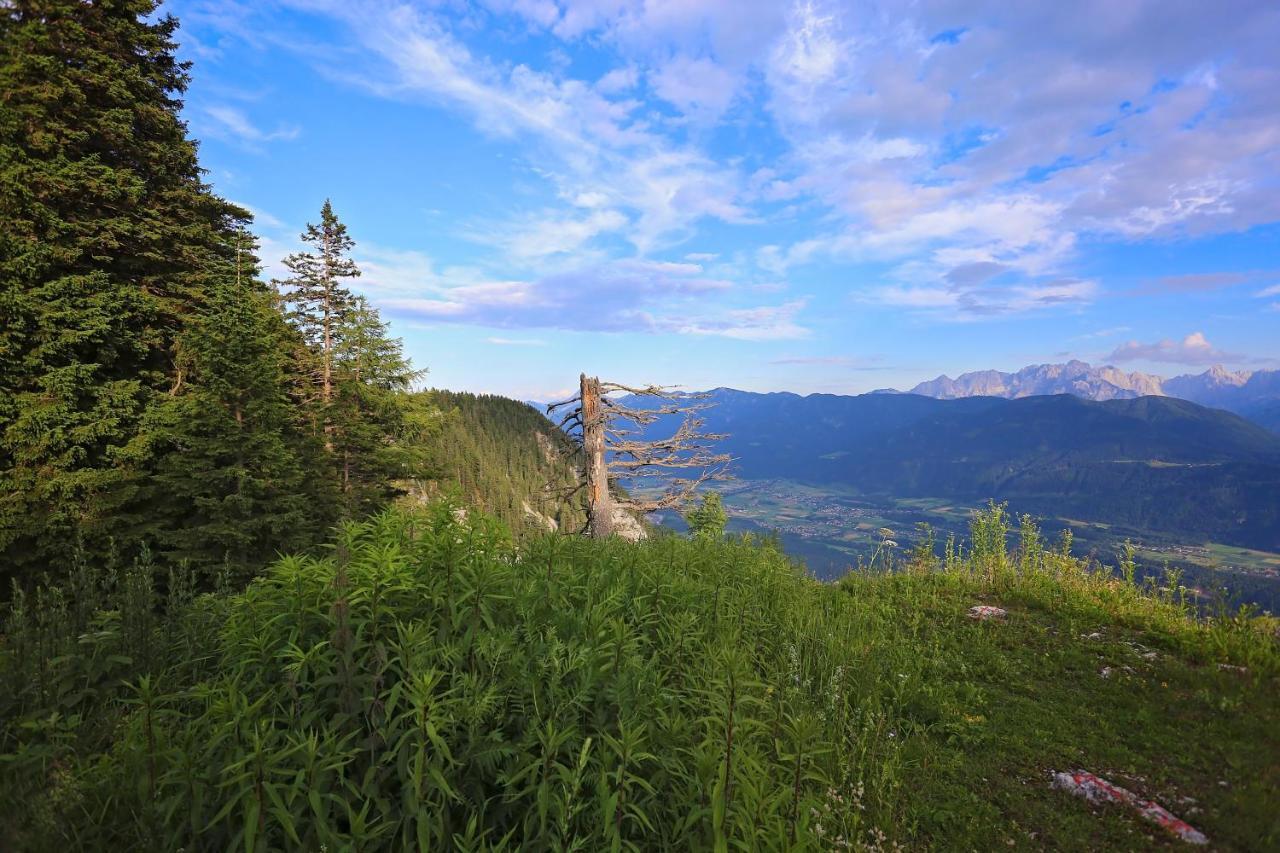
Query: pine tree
[
  {"x": 320, "y": 303},
  {"x": 110, "y": 240}
]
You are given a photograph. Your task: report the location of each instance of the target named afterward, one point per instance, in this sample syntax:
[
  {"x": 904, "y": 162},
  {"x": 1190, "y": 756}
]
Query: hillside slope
[
  {"x": 502, "y": 456},
  {"x": 425, "y": 685},
  {"x": 1152, "y": 462}
]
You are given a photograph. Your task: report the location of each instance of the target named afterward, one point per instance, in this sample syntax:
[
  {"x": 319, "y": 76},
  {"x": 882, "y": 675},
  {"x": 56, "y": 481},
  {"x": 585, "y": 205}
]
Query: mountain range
[
  {"x": 1151, "y": 462},
  {"x": 1253, "y": 394}
]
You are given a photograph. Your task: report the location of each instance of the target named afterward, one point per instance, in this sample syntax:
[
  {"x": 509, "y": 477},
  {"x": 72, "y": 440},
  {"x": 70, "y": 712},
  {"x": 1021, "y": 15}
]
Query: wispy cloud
[
  {"x": 841, "y": 361},
  {"x": 940, "y": 161},
  {"x": 589, "y": 142},
  {"x": 233, "y": 123},
  {"x": 516, "y": 342},
  {"x": 647, "y": 297},
  {"x": 1194, "y": 349},
  {"x": 1102, "y": 333},
  {"x": 983, "y": 301},
  {"x": 1199, "y": 282}
]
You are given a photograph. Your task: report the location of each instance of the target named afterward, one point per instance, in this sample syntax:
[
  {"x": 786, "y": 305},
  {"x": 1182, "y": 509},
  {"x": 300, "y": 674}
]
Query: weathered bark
[
  {"x": 599, "y": 502},
  {"x": 600, "y": 424},
  {"x": 326, "y": 384}
]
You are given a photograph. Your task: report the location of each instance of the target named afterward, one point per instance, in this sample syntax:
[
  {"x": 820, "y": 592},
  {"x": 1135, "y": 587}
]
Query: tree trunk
[
  {"x": 326, "y": 384},
  {"x": 599, "y": 502}
]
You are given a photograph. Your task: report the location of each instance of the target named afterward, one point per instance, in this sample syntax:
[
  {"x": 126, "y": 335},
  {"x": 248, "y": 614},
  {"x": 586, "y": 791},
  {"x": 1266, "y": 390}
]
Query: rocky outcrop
[{"x": 626, "y": 526}]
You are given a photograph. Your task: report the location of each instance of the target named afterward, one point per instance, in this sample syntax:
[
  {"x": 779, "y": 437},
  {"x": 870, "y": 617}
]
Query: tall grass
[{"x": 427, "y": 685}]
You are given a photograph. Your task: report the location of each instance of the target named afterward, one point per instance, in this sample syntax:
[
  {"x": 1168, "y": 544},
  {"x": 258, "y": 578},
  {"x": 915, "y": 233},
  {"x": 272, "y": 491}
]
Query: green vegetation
[
  {"x": 427, "y": 684},
  {"x": 833, "y": 527},
  {"x": 435, "y": 678},
  {"x": 505, "y": 459},
  {"x": 708, "y": 519},
  {"x": 156, "y": 396}
]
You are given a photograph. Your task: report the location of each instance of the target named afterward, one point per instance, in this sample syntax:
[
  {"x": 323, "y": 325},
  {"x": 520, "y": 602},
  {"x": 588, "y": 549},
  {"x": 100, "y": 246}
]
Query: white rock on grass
[{"x": 985, "y": 612}]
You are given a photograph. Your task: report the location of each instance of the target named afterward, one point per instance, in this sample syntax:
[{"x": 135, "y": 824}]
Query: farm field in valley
[{"x": 836, "y": 530}]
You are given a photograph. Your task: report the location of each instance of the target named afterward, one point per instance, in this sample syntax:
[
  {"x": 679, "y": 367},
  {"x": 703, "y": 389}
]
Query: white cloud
[
  {"x": 970, "y": 167},
  {"x": 588, "y": 145},
  {"x": 233, "y": 123},
  {"x": 700, "y": 88},
  {"x": 1194, "y": 349},
  {"x": 766, "y": 323},
  {"x": 650, "y": 297},
  {"x": 842, "y": 361},
  {"x": 514, "y": 342},
  {"x": 982, "y": 300}
]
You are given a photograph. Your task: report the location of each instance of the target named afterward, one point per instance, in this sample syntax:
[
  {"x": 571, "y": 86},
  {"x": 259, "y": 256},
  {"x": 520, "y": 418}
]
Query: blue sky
[{"x": 804, "y": 196}]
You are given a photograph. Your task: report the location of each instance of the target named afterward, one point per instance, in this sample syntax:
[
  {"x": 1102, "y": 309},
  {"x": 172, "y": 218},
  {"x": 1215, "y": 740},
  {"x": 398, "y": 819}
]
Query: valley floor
[{"x": 833, "y": 528}]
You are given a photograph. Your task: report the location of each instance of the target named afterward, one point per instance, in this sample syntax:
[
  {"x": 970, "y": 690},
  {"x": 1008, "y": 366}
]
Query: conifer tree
[
  {"x": 369, "y": 373},
  {"x": 708, "y": 519},
  {"x": 232, "y": 479},
  {"x": 320, "y": 303},
  {"x": 110, "y": 240}
]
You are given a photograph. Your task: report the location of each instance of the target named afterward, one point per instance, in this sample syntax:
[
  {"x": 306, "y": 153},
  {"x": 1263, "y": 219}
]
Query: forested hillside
[{"x": 506, "y": 459}]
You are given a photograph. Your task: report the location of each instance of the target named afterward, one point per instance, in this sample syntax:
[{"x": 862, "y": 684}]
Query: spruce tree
[
  {"x": 355, "y": 369},
  {"x": 708, "y": 519},
  {"x": 232, "y": 476},
  {"x": 110, "y": 240},
  {"x": 371, "y": 375}
]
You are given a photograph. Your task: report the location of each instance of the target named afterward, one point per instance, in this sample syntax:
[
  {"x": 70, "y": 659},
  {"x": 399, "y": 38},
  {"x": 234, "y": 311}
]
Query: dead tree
[{"x": 614, "y": 447}]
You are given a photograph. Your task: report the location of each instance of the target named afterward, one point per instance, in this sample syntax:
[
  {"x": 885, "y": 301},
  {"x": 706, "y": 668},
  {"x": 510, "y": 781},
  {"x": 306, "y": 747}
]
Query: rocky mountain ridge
[{"x": 1254, "y": 394}]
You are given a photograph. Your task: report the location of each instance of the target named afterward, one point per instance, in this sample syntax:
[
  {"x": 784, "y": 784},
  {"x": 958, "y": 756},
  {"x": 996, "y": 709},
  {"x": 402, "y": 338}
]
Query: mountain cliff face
[
  {"x": 1253, "y": 394},
  {"x": 1075, "y": 377}
]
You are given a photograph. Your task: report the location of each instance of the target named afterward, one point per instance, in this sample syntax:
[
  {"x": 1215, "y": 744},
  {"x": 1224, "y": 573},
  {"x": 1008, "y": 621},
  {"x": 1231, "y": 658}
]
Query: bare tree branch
[{"x": 611, "y": 435}]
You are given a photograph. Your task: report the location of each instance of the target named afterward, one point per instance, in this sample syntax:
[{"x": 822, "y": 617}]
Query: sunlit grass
[{"x": 427, "y": 685}]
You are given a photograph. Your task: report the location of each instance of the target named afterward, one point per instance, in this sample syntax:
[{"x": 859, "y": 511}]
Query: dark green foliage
[
  {"x": 429, "y": 686},
  {"x": 109, "y": 239},
  {"x": 319, "y": 301},
  {"x": 373, "y": 443},
  {"x": 506, "y": 459},
  {"x": 708, "y": 519},
  {"x": 349, "y": 370},
  {"x": 320, "y": 306},
  {"x": 230, "y": 472},
  {"x": 151, "y": 392}
]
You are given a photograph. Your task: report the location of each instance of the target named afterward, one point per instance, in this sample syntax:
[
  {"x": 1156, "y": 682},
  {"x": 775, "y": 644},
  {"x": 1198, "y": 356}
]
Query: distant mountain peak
[
  {"x": 1222, "y": 376},
  {"x": 1075, "y": 377},
  {"x": 1252, "y": 393}
]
